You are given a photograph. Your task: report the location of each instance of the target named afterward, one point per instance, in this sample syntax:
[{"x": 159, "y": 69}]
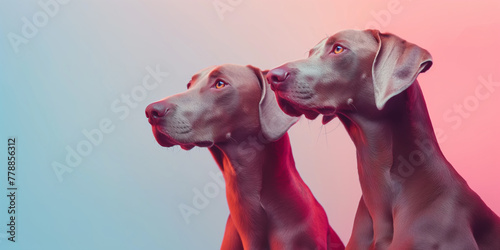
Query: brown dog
[
  {"x": 232, "y": 110},
  {"x": 412, "y": 196}
]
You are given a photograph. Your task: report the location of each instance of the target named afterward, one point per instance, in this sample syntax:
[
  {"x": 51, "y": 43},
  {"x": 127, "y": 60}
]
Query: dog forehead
[
  {"x": 202, "y": 73},
  {"x": 237, "y": 73},
  {"x": 358, "y": 37},
  {"x": 341, "y": 35}
]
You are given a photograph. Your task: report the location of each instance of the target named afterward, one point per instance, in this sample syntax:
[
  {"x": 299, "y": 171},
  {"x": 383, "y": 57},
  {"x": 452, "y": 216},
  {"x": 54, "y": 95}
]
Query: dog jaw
[{"x": 166, "y": 140}]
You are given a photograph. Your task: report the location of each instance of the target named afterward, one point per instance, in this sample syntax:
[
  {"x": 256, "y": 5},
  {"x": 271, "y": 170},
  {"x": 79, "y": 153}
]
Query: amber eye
[
  {"x": 338, "y": 49},
  {"x": 220, "y": 84}
]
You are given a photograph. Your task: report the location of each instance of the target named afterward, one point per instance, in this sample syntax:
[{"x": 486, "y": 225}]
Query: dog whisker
[
  {"x": 350, "y": 102},
  {"x": 326, "y": 137},
  {"x": 319, "y": 134}
]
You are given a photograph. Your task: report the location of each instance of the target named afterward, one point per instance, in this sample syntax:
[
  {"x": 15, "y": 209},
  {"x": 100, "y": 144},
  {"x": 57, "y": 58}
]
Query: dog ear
[
  {"x": 273, "y": 121},
  {"x": 396, "y": 66}
]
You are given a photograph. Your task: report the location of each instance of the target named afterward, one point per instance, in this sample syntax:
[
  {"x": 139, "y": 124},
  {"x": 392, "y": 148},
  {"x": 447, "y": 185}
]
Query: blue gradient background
[{"x": 126, "y": 193}]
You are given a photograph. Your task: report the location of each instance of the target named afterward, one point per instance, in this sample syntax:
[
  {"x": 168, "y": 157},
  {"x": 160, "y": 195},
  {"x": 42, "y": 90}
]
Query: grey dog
[{"x": 368, "y": 80}]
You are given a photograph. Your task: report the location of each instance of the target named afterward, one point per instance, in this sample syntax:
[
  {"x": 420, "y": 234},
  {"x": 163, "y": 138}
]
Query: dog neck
[
  {"x": 259, "y": 174},
  {"x": 400, "y": 141},
  {"x": 254, "y": 157},
  {"x": 397, "y": 152}
]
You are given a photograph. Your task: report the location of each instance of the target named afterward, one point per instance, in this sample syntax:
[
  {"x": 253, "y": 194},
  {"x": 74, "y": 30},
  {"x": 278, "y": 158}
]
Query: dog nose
[
  {"x": 155, "y": 111},
  {"x": 277, "y": 76}
]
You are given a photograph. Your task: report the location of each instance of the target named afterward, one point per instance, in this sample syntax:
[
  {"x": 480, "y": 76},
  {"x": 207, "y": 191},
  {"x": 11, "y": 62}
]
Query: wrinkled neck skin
[
  {"x": 396, "y": 151},
  {"x": 258, "y": 174}
]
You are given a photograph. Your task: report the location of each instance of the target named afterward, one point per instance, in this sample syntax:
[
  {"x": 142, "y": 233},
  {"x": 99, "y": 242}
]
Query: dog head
[
  {"x": 362, "y": 69},
  {"x": 222, "y": 103}
]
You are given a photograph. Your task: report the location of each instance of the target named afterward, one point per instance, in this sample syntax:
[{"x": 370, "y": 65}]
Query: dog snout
[
  {"x": 157, "y": 110},
  {"x": 276, "y": 77}
]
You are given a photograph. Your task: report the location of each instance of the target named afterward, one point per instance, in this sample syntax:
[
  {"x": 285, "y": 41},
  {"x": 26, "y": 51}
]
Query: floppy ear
[
  {"x": 396, "y": 66},
  {"x": 273, "y": 121}
]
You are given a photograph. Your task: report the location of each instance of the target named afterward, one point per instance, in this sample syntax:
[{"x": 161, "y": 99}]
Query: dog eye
[
  {"x": 219, "y": 84},
  {"x": 338, "y": 49}
]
